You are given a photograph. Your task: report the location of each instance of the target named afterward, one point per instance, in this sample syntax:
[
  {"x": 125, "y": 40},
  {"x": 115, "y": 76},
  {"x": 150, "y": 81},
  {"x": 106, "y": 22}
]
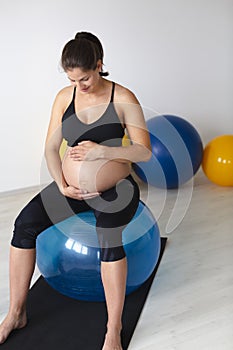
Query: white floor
[{"x": 190, "y": 305}]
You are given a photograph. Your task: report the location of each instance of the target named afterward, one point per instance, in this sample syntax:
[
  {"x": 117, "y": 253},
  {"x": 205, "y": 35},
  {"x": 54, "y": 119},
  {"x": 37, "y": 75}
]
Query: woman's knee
[
  {"x": 112, "y": 254},
  {"x": 28, "y": 224},
  {"x": 23, "y": 237},
  {"x": 110, "y": 243}
]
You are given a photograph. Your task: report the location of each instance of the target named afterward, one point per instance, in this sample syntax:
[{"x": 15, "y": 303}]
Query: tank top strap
[
  {"x": 113, "y": 89},
  {"x": 74, "y": 94}
]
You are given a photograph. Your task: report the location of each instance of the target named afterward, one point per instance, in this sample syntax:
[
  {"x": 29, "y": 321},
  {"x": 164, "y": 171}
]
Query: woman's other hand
[{"x": 76, "y": 193}]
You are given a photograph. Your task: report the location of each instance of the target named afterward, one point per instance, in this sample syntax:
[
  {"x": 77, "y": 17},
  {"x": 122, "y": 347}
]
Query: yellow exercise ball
[
  {"x": 217, "y": 162},
  {"x": 126, "y": 141},
  {"x": 63, "y": 148}
]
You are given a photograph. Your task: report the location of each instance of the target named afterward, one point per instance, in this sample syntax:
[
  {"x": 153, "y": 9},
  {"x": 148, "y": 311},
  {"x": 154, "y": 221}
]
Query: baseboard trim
[{"x": 22, "y": 190}]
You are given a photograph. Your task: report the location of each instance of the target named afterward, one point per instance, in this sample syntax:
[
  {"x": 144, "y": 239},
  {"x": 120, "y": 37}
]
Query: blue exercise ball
[
  {"x": 68, "y": 255},
  {"x": 177, "y": 152}
]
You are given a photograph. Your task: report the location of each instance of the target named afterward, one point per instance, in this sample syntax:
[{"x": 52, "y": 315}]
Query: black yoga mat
[{"x": 57, "y": 322}]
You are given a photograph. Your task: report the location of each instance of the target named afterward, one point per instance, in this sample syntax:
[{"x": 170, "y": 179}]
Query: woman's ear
[{"x": 99, "y": 65}]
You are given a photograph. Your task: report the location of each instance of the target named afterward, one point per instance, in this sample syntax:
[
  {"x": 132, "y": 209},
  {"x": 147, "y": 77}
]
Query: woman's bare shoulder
[
  {"x": 65, "y": 93},
  {"x": 124, "y": 95},
  {"x": 63, "y": 98}
]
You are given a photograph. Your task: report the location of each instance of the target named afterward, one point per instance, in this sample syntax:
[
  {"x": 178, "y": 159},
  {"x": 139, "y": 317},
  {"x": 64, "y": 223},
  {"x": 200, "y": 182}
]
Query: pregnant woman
[{"x": 92, "y": 114}]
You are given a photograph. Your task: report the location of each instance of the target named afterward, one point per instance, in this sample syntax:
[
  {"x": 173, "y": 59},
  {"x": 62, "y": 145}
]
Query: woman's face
[{"x": 85, "y": 81}]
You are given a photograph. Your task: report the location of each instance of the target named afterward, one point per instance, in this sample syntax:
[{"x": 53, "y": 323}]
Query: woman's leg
[
  {"x": 114, "y": 281},
  {"x": 116, "y": 209},
  {"x": 44, "y": 210},
  {"x": 22, "y": 263}
]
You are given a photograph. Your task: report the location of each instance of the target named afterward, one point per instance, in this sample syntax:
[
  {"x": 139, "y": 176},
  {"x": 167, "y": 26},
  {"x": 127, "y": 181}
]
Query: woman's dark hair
[{"x": 83, "y": 52}]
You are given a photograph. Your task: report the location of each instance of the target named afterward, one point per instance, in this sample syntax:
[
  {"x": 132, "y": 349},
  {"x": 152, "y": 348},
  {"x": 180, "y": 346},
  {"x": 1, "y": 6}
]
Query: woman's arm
[
  {"x": 140, "y": 148},
  {"x": 52, "y": 147},
  {"x": 53, "y": 142}
]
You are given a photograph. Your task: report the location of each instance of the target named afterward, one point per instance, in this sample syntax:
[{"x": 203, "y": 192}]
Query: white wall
[{"x": 176, "y": 55}]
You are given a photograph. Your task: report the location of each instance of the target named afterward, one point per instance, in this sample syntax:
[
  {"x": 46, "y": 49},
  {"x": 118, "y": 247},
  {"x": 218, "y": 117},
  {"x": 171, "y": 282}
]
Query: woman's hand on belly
[{"x": 86, "y": 150}]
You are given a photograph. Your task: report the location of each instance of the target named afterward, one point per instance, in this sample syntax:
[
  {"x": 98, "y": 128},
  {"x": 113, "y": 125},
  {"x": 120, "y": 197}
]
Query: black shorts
[{"x": 113, "y": 210}]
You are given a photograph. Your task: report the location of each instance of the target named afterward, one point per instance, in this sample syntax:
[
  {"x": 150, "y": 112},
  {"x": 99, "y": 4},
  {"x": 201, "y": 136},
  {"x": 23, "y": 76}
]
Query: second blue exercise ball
[
  {"x": 177, "y": 152},
  {"x": 68, "y": 254}
]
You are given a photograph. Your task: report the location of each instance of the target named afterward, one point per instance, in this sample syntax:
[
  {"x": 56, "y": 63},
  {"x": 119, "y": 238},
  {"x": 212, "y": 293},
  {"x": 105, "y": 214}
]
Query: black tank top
[{"x": 106, "y": 130}]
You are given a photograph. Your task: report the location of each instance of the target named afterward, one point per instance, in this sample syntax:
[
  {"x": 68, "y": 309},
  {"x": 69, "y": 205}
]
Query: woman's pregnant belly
[{"x": 97, "y": 175}]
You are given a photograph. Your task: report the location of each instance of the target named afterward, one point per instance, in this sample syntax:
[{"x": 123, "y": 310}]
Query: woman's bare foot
[
  {"x": 112, "y": 341},
  {"x": 10, "y": 323}
]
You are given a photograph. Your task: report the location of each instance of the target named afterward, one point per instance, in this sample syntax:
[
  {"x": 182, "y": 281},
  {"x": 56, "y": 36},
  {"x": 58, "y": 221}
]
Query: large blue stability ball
[
  {"x": 177, "y": 152},
  {"x": 68, "y": 255}
]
